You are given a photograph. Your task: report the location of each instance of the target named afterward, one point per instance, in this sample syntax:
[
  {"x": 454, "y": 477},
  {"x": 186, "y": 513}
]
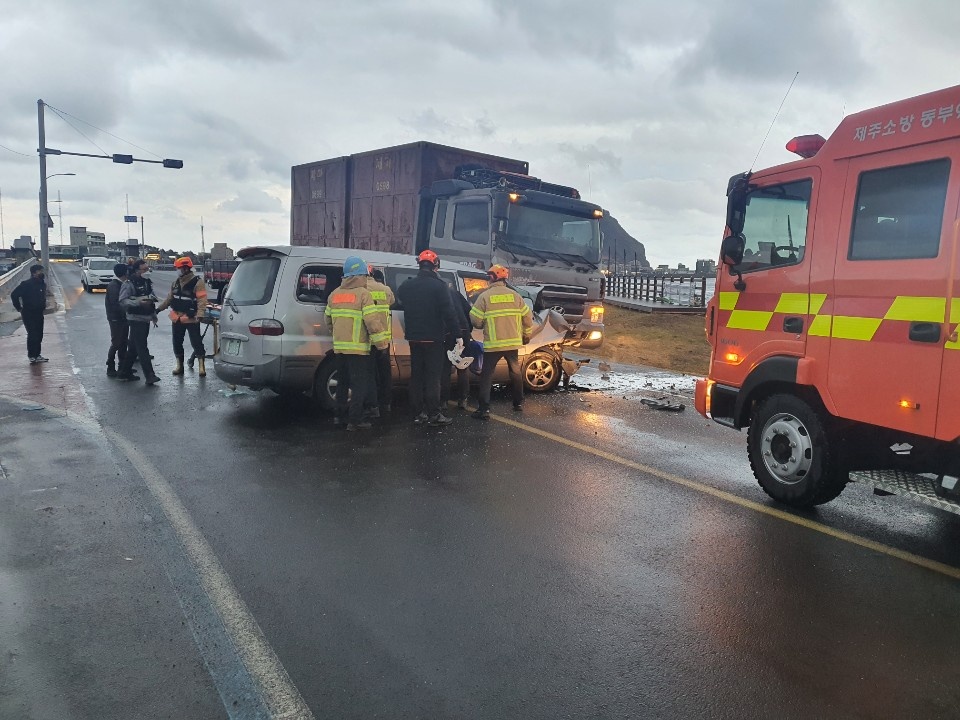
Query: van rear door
[{"x": 250, "y": 300}]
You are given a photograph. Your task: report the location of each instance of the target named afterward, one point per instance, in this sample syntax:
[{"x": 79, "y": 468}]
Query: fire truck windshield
[
  {"x": 553, "y": 231},
  {"x": 775, "y": 226}
]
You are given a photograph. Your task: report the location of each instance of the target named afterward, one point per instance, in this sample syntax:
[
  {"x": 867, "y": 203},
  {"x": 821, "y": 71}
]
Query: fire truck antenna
[{"x": 773, "y": 122}]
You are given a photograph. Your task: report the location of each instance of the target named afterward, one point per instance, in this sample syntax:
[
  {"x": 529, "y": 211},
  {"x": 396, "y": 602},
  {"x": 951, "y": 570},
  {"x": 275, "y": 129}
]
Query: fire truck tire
[{"x": 791, "y": 453}]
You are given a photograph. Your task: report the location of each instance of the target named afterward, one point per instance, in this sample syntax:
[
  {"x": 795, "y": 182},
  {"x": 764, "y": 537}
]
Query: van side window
[
  {"x": 899, "y": 212},
  {"x": 775, "y": 226},
  {"x": 316, "y": 282},
  {"x": 471, "y": 222}
]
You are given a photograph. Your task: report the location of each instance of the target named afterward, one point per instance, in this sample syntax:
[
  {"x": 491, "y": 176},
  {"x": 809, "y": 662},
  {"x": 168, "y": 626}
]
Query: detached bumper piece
[
  {"x": 663, "y": 403},
  {"x": 922, "y": 488}
]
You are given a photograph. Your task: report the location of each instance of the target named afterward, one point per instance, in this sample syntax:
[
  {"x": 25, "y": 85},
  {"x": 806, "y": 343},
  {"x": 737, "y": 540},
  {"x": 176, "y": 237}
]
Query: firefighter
[
  {"x": 507, "y": 325},
  {"x": 383, "y": 298},
  {"x": 139, "y": 302},
  {"x": 187, "y": 301},
  {"x": 353, "y": 319}
]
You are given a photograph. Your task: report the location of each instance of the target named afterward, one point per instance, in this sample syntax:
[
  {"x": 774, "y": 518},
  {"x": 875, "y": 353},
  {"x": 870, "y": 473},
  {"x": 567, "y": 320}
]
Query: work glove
[{"x": 526, "y": 339}]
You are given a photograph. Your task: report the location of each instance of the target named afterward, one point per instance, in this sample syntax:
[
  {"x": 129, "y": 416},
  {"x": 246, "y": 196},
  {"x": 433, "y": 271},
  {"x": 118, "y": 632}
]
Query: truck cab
[
  {"x": 834, "y": 323},
  {"x": 546, "y": 235}
]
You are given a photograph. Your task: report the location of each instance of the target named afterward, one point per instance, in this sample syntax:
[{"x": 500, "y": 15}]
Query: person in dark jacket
[
  {"x": 140, "y": 304},
  {"x": 29, "y": 299},
  {"x": 463, "y": 331},
  {"x": 119, "y": 327},
  {"x": 428, "y": 317}
]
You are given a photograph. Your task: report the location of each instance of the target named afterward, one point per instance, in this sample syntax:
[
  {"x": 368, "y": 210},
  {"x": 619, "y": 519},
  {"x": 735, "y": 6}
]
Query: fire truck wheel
[{"x": 791, "y": 454}]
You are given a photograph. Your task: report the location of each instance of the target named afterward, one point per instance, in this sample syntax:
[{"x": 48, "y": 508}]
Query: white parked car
[{"x": 96, "y": 272}]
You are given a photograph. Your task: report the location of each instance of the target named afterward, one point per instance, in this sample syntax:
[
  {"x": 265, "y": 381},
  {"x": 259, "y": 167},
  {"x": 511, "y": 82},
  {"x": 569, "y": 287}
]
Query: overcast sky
[{"x": 647, "y": 107}]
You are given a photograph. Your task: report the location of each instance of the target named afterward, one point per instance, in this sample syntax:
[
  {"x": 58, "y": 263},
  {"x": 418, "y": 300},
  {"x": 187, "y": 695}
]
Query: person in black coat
[
  {"x": 29, "y": 299},
  {"x": 117, "y": 317},
  {"x": 428, "y": 317}
]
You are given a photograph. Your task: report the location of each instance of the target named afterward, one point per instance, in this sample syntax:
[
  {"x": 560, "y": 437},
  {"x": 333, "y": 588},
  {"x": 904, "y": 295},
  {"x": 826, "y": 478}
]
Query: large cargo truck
[
  {"x": 471, "y": 208},
  {"x": 835, "y": 321}
]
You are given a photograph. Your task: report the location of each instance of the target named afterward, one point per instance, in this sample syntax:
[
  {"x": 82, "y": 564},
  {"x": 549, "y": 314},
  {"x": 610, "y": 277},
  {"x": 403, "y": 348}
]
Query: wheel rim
[
  {"x": 540, "y": 373},
  {"x": 332, "y": 384},
  {"x": 786, "y": 448}
]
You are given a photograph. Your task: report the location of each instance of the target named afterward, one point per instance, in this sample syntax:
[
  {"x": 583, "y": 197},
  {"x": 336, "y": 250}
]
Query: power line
[
  {"x": 57, "y": 112},
  {"x": 14, "y": 151},
  {"x": 105, "y": 132}
]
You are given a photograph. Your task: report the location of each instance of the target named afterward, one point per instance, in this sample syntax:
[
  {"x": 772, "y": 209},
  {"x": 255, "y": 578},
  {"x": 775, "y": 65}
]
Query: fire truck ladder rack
[
  {"x": 481, "y": 178},
  {"x": 916, "y": 487}
]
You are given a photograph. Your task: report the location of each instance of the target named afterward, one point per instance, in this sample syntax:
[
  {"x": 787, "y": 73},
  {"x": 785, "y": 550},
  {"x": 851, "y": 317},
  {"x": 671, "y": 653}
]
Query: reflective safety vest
[
  {"x": 353, "y": 317},
  {"x": 504, "y": 317},
  {"x": 383, "y": 298}
]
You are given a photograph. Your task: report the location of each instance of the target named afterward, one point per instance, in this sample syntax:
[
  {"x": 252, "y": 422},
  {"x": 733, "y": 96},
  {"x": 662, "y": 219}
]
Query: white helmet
[{"x": 456, "y": 356}]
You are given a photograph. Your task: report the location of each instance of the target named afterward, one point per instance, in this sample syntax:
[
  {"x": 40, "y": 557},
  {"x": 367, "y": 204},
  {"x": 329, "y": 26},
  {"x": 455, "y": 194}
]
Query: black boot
[{"x": 111, "y": 369}]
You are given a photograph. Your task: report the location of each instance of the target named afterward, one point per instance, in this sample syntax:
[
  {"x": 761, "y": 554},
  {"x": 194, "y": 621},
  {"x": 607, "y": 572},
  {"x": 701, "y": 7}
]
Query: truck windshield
[
  {"x": 775, "y": 228},
  {"x": 554, "y": 231}
]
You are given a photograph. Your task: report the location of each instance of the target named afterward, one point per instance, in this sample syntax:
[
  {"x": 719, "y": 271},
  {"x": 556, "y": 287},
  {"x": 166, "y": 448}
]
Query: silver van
[{"x": 273, "y": 334}]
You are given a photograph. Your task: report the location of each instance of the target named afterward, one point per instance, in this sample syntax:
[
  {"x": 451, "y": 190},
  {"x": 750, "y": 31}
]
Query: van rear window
[{"x": 252, "y": 282}]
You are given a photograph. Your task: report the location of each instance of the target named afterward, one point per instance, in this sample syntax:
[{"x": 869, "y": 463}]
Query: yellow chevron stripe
[
  {"x": 793, "y": 304},
  {"x": 749, "y": 319},
  {"x": 728, "y": 300},
  {"x": 816, "y": 302},
  {"x": 820, "y": 327},
  {"x": 855, "y": 328},
  {"x": 955, "y": 310},
  {"x": 917, "y": 309}
]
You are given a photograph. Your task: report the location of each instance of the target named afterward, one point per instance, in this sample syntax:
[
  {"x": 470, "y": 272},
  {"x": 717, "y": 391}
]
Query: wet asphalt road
[{"x": 485, "y": 571}]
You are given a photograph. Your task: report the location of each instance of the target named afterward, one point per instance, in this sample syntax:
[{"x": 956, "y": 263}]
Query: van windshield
[{"x": 252, "y": 282}]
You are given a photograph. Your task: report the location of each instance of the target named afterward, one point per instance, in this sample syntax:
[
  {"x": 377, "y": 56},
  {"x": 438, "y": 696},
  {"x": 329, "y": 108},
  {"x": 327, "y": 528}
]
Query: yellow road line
[{"x": 923, "y": 562}]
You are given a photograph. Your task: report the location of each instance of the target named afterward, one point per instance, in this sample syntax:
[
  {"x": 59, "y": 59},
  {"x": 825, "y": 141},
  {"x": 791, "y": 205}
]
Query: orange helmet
[
  {"x": 429, "y": 256},
  {"x": 498, "y": 272},
  {"x": 183, "y": 262}
]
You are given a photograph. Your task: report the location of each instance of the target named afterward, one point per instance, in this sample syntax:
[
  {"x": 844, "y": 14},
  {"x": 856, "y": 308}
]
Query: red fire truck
[{"x": 835, "y": 318}]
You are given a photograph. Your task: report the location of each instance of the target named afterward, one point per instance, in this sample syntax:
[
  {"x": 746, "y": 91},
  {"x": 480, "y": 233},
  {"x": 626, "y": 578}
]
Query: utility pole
[
  {"x": 203, "y": 248},
  {"x": 2, "y": 241},
  {"x": 44, "y": 218},
  {"x": 141, "y": 233}
]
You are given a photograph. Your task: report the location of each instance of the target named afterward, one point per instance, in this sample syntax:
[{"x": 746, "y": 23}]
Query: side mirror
[
  {"x": 501, "y": 206},
  {"x": 731, "y": 250}
]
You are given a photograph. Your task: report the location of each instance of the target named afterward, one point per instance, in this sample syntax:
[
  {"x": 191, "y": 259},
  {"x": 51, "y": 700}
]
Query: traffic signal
[
  {"x": 123, "y": 159},
  {"x": 175, "y": 164}
]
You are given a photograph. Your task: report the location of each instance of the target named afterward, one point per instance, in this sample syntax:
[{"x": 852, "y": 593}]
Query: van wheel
[
  {"x": 792, "y": 455},
  {"x": 325, "y": 386},
  {"x": 541, "y": 372}
]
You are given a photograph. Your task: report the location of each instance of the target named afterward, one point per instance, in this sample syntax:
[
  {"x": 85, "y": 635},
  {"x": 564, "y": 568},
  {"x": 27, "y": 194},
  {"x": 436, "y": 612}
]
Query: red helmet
[
  {"x": 429, "y": 256},
  {"x": 183, "y": 262},
  {"x": 498, "y": 272}
]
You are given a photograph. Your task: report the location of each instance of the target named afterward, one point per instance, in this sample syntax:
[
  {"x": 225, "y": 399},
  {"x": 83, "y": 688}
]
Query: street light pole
[{"x": 44, "y": 218}]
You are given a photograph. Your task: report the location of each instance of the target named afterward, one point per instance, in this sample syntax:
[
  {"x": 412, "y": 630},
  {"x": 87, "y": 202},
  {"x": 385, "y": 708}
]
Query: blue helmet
[{"x": 354, "y": 265}]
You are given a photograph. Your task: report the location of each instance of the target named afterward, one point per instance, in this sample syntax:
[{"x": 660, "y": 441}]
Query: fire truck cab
[{"x": 834, "y": 326}]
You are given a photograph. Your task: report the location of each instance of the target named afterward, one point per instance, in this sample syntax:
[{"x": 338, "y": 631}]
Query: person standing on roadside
[
  {"x": 353, "y": 319},
  {"x": 507, "y": 325},
  {"x": 29, "y": 299},
  {"x": 117, "y": 317},
  {"x": 383, "y": 372},
  {"x": 428, "y": 317},
  {"x": 187, "y": 301},
  {"x": 139, "y": 302}
]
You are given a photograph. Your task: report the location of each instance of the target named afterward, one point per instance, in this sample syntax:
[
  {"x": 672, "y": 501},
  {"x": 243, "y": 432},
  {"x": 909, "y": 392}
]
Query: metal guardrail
[{"x": 683, "y": 290}]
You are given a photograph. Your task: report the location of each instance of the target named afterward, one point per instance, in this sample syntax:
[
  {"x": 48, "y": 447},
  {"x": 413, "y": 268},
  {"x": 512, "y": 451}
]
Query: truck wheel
[
  {"x": 791, "y": 454},
  {"x": 325, "y": 386},
  {"x": 541, "y": 372}
]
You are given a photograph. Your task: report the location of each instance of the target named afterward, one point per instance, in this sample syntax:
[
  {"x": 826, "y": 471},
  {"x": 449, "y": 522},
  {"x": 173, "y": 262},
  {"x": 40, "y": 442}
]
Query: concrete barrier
[{"x": 9, "y": 280}]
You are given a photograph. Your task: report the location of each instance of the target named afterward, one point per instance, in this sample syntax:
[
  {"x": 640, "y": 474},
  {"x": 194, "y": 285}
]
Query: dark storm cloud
[{"x": 770, "y": 41}]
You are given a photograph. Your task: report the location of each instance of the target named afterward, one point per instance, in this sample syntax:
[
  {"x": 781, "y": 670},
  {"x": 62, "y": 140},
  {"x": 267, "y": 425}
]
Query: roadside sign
[{"x": 130, "y": 218}]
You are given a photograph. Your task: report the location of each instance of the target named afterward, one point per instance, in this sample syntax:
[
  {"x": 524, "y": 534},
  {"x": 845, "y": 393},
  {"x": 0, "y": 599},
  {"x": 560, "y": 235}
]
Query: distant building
[
  {"x": 220, "y": 251},
  {"x": 706, "y": 267},
  {"x": 94, "y": 242}
]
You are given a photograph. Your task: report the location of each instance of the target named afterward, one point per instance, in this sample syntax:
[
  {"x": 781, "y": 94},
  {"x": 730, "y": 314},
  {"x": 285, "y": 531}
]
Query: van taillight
[{"x": 265, "y": 327}]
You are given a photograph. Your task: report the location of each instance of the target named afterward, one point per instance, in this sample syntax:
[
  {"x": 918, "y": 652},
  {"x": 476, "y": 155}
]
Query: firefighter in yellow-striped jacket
[
  {"x": 382, "y": 370},
  {"x": 355, "y": 323},
  {"x": 507, "y": 324}
]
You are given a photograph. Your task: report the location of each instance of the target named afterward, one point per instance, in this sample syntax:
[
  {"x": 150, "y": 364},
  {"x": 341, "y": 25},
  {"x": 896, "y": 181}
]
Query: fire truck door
[
  {"x": 771, "y": 315},
  {"x": 948, "y": 418},
  {"x": 891, "y": 288}
]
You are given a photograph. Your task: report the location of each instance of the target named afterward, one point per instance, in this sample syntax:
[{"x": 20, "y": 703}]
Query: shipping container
[{"x": 370, "y": 200}]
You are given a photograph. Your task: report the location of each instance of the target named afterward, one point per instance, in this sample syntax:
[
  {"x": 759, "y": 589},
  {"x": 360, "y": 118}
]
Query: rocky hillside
[{"x": 616, "y": 240}]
